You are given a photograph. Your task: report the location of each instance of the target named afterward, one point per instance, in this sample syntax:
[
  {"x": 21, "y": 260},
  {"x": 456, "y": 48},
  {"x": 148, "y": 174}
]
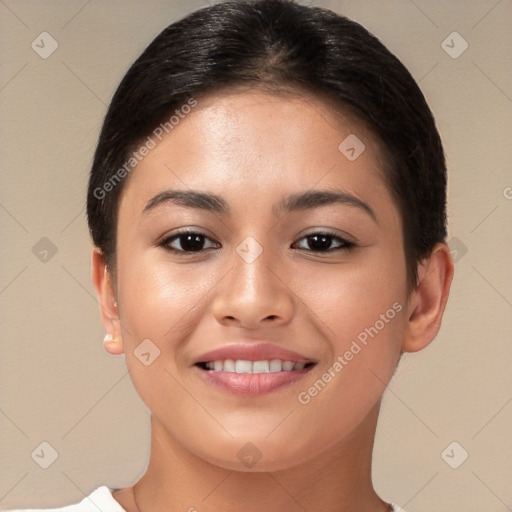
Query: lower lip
[{"x": 252, "y": 384}]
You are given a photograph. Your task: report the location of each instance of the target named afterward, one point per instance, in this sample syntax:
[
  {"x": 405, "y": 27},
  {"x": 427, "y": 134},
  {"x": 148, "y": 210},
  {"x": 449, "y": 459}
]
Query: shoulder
[{"x": 99, "y": 499}]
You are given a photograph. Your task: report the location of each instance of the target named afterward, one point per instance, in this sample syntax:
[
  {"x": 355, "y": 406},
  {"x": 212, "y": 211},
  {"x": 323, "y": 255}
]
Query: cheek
[
  {"x": 364, "y": 309},
  {"x": 158, "y": 306},
  {"x": 163, "y": 303},
  {"x": 350, "y": 298},
  {"x": 345, "y": 389},
  {"x": 159, "y": 298}
]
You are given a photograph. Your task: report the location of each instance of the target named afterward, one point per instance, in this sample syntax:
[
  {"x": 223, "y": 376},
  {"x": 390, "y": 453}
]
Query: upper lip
[{"x": 252, "y": 352}]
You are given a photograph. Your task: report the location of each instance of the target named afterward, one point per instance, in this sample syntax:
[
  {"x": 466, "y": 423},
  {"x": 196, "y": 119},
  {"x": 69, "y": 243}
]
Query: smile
[
  {"x": 250, "y": 369},
  {"x": 245, "y": 366},
  {"x": 246, "y": 378}
]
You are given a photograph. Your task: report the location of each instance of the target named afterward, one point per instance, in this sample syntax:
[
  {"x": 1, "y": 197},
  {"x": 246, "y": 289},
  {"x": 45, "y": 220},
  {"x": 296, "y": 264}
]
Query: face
[{"x": 263, "y": 265}]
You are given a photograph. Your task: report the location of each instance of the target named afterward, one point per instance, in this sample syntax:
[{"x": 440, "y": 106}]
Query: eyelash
[{"x": 345, "y": 245}]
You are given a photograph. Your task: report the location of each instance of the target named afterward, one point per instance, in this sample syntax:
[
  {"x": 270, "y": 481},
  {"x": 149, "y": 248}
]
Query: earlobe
[
  {"x": 112, "y": 345},
  {"x": 428, "y": 300},
  {"x": 108, "y": 304}
]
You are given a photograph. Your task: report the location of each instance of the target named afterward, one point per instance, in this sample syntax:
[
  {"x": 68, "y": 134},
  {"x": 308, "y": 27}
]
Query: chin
[{"x": 258, "y": 456}]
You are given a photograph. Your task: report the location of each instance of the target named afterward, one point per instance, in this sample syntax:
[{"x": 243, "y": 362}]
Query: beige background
[{"x": 57, "y": 383}]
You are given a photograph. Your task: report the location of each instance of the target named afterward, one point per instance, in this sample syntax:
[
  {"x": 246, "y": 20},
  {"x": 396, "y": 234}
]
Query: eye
[
  {"x": 193, "y": 241},
  {"x": 322, "y": 242},
  {"x": 187, "y": 242}
]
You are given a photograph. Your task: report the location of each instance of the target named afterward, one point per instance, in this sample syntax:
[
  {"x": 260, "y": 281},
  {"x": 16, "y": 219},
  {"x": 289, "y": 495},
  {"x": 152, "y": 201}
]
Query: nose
[{"x": 254, "y": 294}]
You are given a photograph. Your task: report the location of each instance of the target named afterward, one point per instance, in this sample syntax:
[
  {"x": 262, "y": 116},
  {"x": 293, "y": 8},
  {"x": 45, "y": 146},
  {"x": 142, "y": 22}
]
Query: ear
[
  {"x": 109, "y": 311},
  {"x": 428, "y": 300}
]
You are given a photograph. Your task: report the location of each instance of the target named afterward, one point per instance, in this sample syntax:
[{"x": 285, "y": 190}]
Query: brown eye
[
  {"x": 323, "y": 242},
  {"x": 187, "y": 241}
]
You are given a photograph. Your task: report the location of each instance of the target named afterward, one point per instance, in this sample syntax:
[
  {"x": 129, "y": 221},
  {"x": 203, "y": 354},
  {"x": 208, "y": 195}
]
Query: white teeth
[
  {"x": 245, "y": 366},
  {"x": 288, "y": 366},
  {"x": 242, "y": 366},
  {"x": 260, "y": 367},
  {"x": 275, "y": 365},
  {"x": 229, "y": 365}
]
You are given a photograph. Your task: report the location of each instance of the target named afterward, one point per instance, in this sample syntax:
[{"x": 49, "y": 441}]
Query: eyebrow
[{"x": 293, "y": 202}]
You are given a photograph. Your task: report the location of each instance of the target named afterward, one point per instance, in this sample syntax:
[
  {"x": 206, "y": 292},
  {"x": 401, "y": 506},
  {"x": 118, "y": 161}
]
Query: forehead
[{"x": 247, "y": 140}]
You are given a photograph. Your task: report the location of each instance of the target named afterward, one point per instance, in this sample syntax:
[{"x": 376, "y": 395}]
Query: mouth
[
  {"x": 252, "y": 370},
  {"x": 246, "y": 366}
]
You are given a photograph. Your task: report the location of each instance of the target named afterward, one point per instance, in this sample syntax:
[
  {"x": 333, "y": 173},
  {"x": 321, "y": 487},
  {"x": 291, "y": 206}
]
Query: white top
[{"x": 101, "y": 499}]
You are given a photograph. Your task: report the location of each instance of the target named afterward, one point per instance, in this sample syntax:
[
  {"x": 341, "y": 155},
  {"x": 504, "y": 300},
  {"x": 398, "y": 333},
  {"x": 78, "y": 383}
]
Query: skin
[{"x": 252, "y": 149}]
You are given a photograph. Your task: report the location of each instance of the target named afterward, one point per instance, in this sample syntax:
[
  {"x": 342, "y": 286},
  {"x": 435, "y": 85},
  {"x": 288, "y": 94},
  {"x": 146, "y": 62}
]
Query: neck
[{"x": 337, "y": 481}]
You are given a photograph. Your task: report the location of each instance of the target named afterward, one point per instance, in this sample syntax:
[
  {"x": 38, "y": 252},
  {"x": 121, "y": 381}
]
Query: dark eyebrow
[
  {"x": 316, "y": 198},
  {"x": 294, "y": 202},
  {"x": 191, "y": 199}
]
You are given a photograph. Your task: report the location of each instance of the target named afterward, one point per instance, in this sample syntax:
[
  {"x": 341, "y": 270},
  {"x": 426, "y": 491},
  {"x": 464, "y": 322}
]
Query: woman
[{"x": 267, "y": 206}]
